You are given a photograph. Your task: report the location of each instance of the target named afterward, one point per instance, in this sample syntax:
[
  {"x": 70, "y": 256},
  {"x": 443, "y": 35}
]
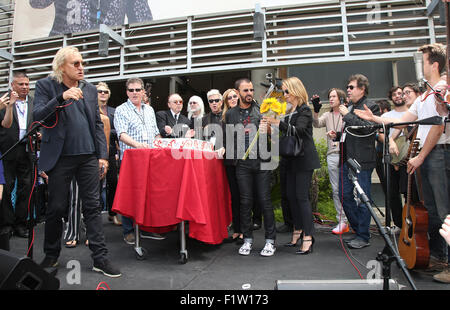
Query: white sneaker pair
[{"x": 268, "y": 250}]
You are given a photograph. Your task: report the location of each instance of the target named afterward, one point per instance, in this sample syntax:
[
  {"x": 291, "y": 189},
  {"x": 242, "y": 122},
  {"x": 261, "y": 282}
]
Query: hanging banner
[{"x": 43, "y": 18}]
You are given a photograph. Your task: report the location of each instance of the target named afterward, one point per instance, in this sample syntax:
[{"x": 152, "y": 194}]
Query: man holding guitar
[{"x": 434, "y": 156}]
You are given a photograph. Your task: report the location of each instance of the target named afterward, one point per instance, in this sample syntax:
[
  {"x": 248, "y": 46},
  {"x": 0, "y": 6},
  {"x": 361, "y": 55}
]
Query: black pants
[
  {"x": 254, "y": 182},
  {"x": 19, "y": 168},
  {"x": 235, "y": 198},
  {"x": 298, "y": 184},
  {"x": 287, "y": 216},
  {"x": 111, "y": 183},
  {"x": 85, "y": 170}
]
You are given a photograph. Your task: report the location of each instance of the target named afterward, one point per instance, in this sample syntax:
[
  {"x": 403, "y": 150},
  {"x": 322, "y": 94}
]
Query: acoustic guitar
[{"x": 413, "y": 241}]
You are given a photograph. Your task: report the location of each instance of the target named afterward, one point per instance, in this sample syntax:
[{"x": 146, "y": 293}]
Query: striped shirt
[{"x": 139, "y": 125}]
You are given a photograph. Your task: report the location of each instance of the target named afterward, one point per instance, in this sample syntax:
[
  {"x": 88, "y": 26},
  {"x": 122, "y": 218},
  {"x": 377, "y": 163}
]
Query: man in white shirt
[
  {"x": 434, "y": 156},
  {"x": 17, "y": 163}
]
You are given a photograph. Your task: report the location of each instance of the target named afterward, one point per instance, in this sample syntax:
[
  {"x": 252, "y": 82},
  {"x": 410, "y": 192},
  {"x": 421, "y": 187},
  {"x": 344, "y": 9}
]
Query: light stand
[{"x": 388, "y": 255}]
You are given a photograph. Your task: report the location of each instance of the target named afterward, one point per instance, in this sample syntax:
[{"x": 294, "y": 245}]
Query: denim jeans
[
  {"x": 357, "y": 214},
  {"x": 435, "y": 172},
  {"x": 127, "y": 225}
]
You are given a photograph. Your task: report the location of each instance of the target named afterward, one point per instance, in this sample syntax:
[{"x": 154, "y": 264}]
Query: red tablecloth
[{"x": 158, "y": 190}]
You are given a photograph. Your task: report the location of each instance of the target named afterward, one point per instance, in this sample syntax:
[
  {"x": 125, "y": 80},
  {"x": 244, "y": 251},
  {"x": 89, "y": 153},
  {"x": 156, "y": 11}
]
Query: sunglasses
[
  {"x": 232, "y": 97},
  {"x": 251, "y": 90},
  {"x": 178, "y": 101},
  {"x": 192, "y": 102},
  {"x": 134, "y": 90},
  {"x": 350, "y": 87},
  {"x": 213, "y": 100},
  {"x": 101, "y": 91},
  {"x": 78, "y": 63}
]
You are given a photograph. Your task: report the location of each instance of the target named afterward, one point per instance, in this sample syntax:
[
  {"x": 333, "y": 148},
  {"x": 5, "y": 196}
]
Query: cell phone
[{"x": 9, "y": 93}]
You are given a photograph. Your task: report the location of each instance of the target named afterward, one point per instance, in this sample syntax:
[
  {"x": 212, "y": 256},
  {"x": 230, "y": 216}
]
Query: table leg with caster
[
  {"x": 183, "y": 250},
  {"x": 141, "y": 252}
]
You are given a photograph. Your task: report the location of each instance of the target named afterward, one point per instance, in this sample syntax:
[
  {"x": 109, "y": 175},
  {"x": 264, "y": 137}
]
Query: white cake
[{"x": 182, "y": 143}]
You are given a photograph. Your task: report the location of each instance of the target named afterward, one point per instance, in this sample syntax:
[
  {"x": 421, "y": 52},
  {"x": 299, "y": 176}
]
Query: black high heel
[
  {"x": 310, "y": 250},
  {"x": 290, "y": 244}
]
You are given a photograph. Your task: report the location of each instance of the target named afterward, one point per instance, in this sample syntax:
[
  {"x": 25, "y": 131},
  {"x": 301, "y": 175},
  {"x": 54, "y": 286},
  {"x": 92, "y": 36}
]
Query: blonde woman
[
  {"x": 299, "y": 169},
  {"x": 230, "y": 100}
]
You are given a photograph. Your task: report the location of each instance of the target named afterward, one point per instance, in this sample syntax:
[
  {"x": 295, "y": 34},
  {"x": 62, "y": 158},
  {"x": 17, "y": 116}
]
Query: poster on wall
[{"x": 43, "y": 18}]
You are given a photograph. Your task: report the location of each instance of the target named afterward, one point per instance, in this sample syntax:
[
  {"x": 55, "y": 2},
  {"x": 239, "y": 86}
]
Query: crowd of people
[{"x": 83, "y": 139}]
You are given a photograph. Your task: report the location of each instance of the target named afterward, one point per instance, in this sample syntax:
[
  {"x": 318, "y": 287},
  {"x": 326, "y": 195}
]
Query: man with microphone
[
  {"x": 434, "y": 156},
  {"x": 73, "y": 145},
  {"x": 357, "y": 144}
]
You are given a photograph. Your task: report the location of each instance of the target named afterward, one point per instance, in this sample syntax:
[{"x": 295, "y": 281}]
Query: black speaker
[
  {"x": 22, "y": 273},
  {"x": 375, "y": 284}
]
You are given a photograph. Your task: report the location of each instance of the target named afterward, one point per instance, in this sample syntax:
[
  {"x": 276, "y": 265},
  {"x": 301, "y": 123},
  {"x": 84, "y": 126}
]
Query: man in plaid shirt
[{"x": 135, "y": 123}]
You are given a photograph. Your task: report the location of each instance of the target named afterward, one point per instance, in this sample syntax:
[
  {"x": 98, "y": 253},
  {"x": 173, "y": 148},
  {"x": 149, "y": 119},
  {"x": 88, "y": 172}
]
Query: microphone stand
[
  {"x": 32, "y": 134},
  {"x": 388, "y": 255}
]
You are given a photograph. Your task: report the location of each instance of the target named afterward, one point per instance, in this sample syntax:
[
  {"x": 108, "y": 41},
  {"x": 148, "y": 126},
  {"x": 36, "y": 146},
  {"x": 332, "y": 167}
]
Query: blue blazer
[{"x": 45, "y": 102}]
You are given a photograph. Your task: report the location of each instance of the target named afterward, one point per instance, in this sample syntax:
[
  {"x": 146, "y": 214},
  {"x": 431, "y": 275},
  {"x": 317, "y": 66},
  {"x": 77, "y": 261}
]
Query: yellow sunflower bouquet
[{"x": 270, "y": 107}]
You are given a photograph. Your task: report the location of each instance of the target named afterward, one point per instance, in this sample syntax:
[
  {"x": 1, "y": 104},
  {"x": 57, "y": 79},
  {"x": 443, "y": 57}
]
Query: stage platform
[{"x": 220, "y": 267}]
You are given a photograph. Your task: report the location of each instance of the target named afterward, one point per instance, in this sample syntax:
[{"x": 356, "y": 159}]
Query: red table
[{"x": 158, "y": 189}]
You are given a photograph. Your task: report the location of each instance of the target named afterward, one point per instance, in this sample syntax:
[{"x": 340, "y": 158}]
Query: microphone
[
  {"x": 418, "y": 62},
  {"x": 434, "y": 120}
]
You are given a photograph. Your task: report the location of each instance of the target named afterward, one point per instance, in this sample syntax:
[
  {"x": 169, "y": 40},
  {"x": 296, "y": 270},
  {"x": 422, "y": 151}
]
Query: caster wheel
[
  {"x": 183, "y": 258},
  {"x": 140, "y": 253}
]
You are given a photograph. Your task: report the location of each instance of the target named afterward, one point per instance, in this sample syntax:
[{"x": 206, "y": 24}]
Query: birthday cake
[{"x": 182, "y": 143}]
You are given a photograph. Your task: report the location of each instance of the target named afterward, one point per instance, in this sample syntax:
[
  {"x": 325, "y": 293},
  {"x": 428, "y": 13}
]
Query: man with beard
[
  {"x": 398, "y": 174},
  {"x": 252, "y": 180}
]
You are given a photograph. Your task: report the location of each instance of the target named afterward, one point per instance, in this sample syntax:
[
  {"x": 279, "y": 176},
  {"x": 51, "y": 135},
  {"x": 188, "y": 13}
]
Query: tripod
[{"x": 388, "y": 255}]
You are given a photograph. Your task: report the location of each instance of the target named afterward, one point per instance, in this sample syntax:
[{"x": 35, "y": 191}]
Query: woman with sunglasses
[
  {"x": 299, "y": 169},
  {"x": 230, "y": 100},
  {"x": 104, "y": 93}
]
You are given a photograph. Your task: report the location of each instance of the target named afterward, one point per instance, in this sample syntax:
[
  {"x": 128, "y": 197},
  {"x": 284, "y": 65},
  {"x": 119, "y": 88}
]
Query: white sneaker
[
  {"x": 245, "y": 248},
  {"x": 269, "y": 249},
  {"x": 340, "y": 229}
]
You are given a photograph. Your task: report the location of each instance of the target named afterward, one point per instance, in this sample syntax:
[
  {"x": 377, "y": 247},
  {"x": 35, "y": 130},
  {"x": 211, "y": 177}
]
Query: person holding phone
[
  {"x": 332, "y": 120},
  {"x": 17, "y": 164}
]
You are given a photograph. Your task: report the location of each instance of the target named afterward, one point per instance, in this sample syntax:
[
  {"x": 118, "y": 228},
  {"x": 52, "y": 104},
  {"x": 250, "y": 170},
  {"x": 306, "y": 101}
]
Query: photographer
[{"x": 332, "y": 120}]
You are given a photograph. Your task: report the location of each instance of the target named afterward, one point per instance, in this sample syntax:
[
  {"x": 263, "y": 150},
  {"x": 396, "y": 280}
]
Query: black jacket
[
  {"x": 233, "y": 117},
  {"x": 302, "y": 121},
  {"x": 361, "y": 148},
  {"x": 165, "y": 118}
]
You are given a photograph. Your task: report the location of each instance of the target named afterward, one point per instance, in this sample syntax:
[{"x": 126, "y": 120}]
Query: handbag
[{"x": 291, "y": 145}]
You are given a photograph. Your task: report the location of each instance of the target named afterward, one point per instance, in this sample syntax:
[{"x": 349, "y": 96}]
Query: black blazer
[
  {"x": 10, "y": 136},
  {"x": 302, "y": 120},
  {"x": 46, "y": 96},
  {"x": 165, "y": 118}
]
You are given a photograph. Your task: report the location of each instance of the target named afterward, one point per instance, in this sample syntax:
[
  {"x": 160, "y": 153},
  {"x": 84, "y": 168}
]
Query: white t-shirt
[
  {"x": 393, "y": 114},
  {"x": 425, "y": 107}
]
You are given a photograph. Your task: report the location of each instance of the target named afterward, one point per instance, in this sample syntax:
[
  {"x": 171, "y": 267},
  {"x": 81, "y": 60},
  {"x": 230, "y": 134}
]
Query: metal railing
[{"x": 341, "y": 31}]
